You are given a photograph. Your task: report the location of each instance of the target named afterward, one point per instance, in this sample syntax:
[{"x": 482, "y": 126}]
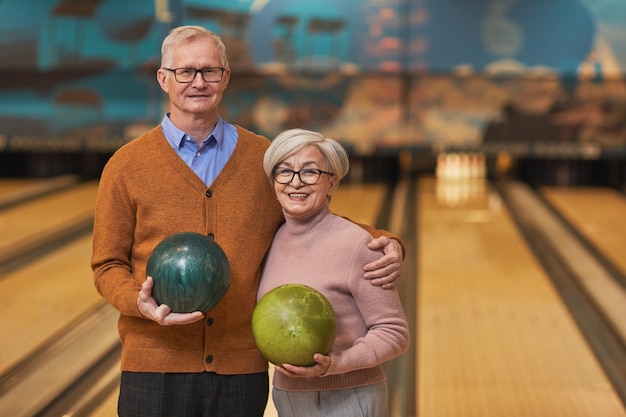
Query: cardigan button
[
  {"x": 209, "y": 321},
  {"x": 209, "y": 193},
  {"x": 211, "y": 236},
  {"x": 209, "y": 359}
]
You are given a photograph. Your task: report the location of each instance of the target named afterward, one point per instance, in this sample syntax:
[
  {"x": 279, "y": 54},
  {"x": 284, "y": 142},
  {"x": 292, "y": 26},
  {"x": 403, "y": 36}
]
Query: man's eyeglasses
[
  {"x": 187, "y": 75},
  {"x": 308, "y": 176}
]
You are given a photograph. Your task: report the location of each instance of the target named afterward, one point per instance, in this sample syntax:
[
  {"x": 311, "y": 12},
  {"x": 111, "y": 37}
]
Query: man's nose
[{"x": 197, "y": 78}]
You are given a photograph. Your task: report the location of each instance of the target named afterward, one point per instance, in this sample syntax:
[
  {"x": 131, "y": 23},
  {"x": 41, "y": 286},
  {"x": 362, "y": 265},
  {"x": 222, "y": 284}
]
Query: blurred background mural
[{"x": 382, "y": 76}]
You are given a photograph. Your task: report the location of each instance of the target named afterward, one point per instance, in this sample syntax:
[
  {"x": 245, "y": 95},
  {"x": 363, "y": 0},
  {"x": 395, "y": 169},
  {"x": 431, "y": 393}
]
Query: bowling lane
[
  {"x": 26, "y": 226},
  {"x": 494, "y": 337},
  {"x": 360, "y": 202},
  {"x": 38, "y": 300},
  {"x": 15, "y": 190},
  {"x": 598, "y": 214},
  {"x": 108, "y": 407},
  {"x": 11, "y": 185}
]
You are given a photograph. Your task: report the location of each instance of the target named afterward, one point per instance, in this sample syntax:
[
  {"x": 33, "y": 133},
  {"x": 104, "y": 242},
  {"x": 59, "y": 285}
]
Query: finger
[
  {"x": 289, "y": 367},
  {"x": 148, "y": 284},
  {"x": 390, "y": 262},
  {"x": 145, "y": 303},
  {"x": 294, "y": 371},
  {"x": 377, "y": 264},
  {"x": 160, "y": 313},
  {"x": 378, "y": 243},
  {"x": 284, "y": 371},
  {"x": 172, "y": 319},
  {"x": 393, "y": 246},
  {"x": 322, "y": 359},
  {"x": 146, "y": 289},
  {"x": 305, "y": 371},
  {"x": 387, "y": 281},
  {"x": 378, "y": 269},
  {"x": 377, "y": 282},
  {"x": 323, "y": 363}
]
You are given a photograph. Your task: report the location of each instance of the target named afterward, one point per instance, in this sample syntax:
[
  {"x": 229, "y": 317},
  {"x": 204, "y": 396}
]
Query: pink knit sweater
[{"x": 328, "y": 252}]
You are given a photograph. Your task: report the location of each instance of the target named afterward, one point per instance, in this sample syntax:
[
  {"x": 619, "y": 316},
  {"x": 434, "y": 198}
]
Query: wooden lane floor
[
  {"x": 598, "y": 214},
  {"x": 16, "y": 190},
  {"x": 54, "y": 327},
  {"x": 27, "y": 226},
  {"x": 35, "y": 300},
  {"x": 40, "y": 299},
  {"x": 359, "y": 202},
  {"x": 44, "y": 298},
  {"x": 494, "y": 337},
  {"x": 10, "y": 186}
]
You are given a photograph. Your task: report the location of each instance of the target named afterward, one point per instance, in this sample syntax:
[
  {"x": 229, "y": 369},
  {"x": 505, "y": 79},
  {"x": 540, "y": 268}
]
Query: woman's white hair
[{"x": 291, "y": 141}]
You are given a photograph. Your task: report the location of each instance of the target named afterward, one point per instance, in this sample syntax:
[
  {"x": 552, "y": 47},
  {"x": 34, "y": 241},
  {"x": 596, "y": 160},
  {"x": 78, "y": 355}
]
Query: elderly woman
[{"x": 327, "y": 252}]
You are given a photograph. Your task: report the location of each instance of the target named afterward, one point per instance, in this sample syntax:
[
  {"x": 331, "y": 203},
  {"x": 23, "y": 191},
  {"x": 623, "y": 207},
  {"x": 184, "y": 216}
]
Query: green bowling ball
[
  {"x": 293, "y": 322},
  {"x": 190, "y": 272}
]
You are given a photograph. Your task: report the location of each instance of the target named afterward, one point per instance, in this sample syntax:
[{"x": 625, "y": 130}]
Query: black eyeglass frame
[
  {"x": 294, "y": 173},
  {"x": 196, "y": 71}
]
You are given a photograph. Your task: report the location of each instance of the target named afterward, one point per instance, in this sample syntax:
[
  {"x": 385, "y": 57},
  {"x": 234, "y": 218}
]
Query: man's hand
[
  {"x": 162, "y": 314},
  {"x": 388, "y": 268}
]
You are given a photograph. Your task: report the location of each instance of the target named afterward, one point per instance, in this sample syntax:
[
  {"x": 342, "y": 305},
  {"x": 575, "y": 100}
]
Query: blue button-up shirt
[{"x": 208, "y": 159}]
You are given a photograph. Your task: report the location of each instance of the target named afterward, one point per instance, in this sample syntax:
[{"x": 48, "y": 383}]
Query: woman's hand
[{"x": 322, "y": 363}]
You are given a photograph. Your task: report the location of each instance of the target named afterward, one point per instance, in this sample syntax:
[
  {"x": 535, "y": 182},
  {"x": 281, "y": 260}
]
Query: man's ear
[
  {"x": 226, "y": 77},
  {"x": 161, "y": 77}
]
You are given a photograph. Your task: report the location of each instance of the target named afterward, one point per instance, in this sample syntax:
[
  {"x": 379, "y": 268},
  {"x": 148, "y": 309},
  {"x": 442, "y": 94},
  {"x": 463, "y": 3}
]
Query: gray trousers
[{"x": 368, "y": 401}]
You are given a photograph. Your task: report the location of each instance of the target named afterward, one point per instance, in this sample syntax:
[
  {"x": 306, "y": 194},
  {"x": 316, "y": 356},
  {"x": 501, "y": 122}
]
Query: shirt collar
[{"x": 176, "y": 137}]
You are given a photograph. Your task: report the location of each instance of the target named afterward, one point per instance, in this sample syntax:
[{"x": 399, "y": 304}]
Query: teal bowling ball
[
  {"x": 190, "y": 272},
  {"x": 293, "y": 322}
]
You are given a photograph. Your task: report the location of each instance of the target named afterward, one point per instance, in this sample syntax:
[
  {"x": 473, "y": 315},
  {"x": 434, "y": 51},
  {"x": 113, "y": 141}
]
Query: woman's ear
[{"x": 334, "y": 183}]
